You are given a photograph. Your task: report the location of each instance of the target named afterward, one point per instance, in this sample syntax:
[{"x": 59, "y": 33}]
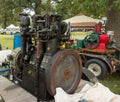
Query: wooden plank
[
  {"x": 107, "y": 51},
  {"x": 14, "y": 93}
]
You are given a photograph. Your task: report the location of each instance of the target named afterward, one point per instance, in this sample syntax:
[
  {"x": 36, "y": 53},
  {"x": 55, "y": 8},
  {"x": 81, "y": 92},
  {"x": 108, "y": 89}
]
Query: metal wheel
[
  {"x": 91, "y": 41},
  {"x": 16, "y": 63},
  {"x": 64, "y": 70},
  {"x": 97, "y": 67}
]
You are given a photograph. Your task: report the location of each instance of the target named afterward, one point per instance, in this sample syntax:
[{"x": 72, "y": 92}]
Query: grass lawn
[
  {"x": 6, "y": 41},
  {"x": 111, "y": 81}
]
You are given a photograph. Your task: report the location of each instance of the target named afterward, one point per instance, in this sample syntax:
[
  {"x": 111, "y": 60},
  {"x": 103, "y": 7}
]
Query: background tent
[
  {"x": 12, "y": 28},
  {"x": 82, "y": 21}
]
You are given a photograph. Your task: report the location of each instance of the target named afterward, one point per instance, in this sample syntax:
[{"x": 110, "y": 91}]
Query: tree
[
  {"x": 68, "y": 8},
  {"x": 109, "y": 8},
  {"x": 113, "y": 16},
  {"x": 47, "y": 7},
  {"x": 7, "y": 12},
  {"x": 10, "y": 9}
]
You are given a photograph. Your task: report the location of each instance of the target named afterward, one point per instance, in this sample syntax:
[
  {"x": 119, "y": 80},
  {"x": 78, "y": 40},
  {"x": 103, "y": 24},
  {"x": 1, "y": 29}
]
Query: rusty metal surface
[{"x": 64, "y": 70}]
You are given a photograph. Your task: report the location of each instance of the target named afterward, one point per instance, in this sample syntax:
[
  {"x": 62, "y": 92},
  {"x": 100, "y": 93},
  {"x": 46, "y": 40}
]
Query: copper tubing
[{"x": 38, "y": 46}]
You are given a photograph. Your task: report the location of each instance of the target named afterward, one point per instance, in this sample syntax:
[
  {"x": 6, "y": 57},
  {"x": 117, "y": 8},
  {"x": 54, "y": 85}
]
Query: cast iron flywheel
[
  {"x": 91, "y": 41},
  {"x": 64, "y": 70}
]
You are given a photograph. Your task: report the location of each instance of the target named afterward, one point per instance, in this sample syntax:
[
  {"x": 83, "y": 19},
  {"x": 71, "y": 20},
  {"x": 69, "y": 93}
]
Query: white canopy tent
[
  {"x": 82, "y": 21},
  {"x": 12, "y": 28}
]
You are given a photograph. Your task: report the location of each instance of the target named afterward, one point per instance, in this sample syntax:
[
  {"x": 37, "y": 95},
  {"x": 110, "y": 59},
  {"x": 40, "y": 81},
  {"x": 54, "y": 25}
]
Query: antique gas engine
[
  {"x": 41, "y": 65},
  {"x": 97, "y": 40}
]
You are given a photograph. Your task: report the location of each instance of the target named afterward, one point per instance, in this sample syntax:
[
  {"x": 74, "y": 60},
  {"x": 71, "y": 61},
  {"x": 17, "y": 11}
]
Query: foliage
[
  {"x": 47, "y": 7},
  {"x": 7, "y": 12},
  {"x": 95, "y": 8},
  {"x": 68, "y": 8},
  {"x": 10, "y": 9}
]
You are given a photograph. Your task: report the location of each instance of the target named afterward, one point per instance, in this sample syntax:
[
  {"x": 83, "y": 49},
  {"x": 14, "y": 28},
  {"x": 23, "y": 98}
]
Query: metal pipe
[{"x": 39, "y": 60}]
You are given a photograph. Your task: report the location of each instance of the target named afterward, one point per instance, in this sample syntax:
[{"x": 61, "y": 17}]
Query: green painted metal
[
  {"x": 79, "y": 44},
  {"x": 91, "y": 41}
]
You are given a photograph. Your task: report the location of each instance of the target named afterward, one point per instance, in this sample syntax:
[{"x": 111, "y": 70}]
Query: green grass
[
  {"x": 112, "y": 82},
  {"x": 6, "y": 41}
]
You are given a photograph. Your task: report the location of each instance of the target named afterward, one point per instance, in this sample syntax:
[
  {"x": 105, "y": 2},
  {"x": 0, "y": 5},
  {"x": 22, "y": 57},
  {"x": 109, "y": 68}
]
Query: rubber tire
[{"x": 102, "y": 65}]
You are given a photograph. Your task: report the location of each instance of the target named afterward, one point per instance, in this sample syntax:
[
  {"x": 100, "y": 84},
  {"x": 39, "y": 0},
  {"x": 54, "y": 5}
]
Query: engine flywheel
[{"x": 64, "y": 70}]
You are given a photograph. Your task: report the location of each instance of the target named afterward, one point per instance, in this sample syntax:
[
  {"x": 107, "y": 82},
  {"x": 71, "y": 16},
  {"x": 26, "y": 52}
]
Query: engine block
[{"x": 40, "y": 65}]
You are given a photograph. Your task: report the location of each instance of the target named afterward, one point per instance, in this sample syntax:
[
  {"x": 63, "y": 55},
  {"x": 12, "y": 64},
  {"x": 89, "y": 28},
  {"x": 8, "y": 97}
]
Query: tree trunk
[
  {"x": 4, "y": 23},
  {"x": 113, "y": 23}
]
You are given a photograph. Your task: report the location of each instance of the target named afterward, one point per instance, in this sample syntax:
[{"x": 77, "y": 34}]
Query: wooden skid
[
  {"x": 14, "y": 93},
  {"x": 107, "y": 51}
]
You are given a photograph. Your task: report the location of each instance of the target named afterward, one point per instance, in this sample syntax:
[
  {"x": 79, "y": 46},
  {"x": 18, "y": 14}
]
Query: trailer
[
  {"x": 98, "y": 51},
  {"x": 99, "y": 62}
]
